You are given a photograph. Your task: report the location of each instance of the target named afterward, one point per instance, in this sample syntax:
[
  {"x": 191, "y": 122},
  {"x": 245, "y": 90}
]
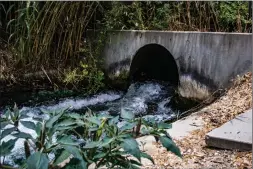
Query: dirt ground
[{"x": 194, "y": 150}]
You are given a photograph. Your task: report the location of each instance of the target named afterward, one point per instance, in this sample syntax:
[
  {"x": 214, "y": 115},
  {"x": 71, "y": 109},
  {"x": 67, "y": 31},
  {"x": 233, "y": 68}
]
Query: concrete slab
[
  {"x": 235, "y": 134},
  {"x": 183, "y": 127}
]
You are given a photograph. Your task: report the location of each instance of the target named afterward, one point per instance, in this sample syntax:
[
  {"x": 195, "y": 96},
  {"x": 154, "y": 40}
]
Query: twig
[{"x": 46, "y": 74}]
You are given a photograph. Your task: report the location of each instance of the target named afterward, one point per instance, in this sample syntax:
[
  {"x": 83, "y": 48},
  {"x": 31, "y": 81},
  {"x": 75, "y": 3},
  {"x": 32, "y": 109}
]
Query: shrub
[{"x": 82, "y": 140}]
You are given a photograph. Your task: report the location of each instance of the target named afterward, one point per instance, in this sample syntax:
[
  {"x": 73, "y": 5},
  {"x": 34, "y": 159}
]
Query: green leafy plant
[{"x": 79, "y": 141}]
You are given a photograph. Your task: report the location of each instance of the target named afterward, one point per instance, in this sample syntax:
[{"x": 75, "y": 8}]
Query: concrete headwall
[{"x": 206, "y": 61}]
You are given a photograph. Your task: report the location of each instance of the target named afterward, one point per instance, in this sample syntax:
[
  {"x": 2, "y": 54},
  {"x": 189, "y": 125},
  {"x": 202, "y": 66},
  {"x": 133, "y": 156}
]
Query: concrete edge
[{"x": 227, "y": 144}]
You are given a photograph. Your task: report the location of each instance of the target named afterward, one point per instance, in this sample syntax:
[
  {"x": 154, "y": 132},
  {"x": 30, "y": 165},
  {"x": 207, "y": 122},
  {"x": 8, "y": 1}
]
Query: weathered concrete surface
[
  {"x": 205, "y": 60},
  {"x": 183, "y": 127},
  {"x": 235, "y": 134}
]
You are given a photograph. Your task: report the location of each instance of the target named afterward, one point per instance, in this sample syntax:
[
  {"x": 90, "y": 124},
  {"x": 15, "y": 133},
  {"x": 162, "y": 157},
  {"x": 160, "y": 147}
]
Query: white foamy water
[
  {"x": 139, "y": 95},
  {"x": 136, "y": 99},
  {"x": 81, "y": 103}
]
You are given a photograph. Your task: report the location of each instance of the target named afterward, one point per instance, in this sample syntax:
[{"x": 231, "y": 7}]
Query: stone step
[{"x": 234, "y": 135}]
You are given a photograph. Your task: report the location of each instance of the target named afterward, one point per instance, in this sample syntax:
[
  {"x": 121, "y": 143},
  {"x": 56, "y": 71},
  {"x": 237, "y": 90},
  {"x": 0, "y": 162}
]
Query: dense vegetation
[
  {"x": 71, "y": 140},
  {"x": 49, "y": 37}
]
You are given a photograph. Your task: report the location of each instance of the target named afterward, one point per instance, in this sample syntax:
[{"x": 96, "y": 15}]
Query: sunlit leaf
[
  {"x": 170, "y": 145},
  {"x": 94, "y": 120},
  {"x": 128, "y": 126},
  {"x": 38, "y": 128},
  {"x": 66, "y": 122},
  {"x": 50, "y": 122},
  {"x": 130, "y": 145},
  {"x": 114, "y": 120}
]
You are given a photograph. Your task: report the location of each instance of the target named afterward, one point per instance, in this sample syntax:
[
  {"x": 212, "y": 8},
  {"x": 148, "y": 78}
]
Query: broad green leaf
[
  {"x": 38, "y": 128},
  {"x": 99, "y": 155},
  {"x": 50, "y": 122},
  {"x": 76, "y": 153},
  {"x": 22, "y": 135},
  {"x": 147, "y": 156},
  {"x": 22, "y": 116},
  {"x": 63, "y": 156},
  {"x": 130, "y": 145},
  {"x": 80, "y": 122},
  {"x": 16, "y": 111},
  {"x": 67, "y": 140},
  {"x": 126, "y": 114},
  {"x": 128, "y": 126},
  {"x": 75, "y": 164},
  {"x": 7, "y": 113},
  {"x": 6, "y": 147},
  {"x": 44, "y": 111},
  {"x": 74, "y": 115},
  {"x": 106, "y": 141},
  {"x": 164, "y": 125},
  {"x": 37, "y": 160},
  {"x": 170, "y": 145},
  {"x": 125, "y": 135},
  {"x": 144, "y": 131},
  {"x": 4, "y": 124},
  {"x": 105, "y": 116},
  {"x": 92, "y": 144},
  {"x": 28, "y": 124},
  {"x": 114, "y": 120},
  {"x": 66, "y": 122},
  {"x": 7, "y": 131},
  {"x": 94, "y": 120}
]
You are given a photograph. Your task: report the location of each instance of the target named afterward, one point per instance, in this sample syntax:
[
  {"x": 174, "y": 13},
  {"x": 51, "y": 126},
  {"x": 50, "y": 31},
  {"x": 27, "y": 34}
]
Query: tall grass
[{"x": 48, "y": 33}]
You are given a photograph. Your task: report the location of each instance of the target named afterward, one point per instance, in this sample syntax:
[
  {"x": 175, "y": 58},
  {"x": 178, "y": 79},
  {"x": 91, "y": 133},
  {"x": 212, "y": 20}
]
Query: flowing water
[{"x": 147, "y": 99}]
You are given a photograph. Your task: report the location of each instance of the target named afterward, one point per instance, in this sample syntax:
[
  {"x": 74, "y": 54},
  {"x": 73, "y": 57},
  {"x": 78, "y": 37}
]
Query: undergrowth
[
  {"x": 46, "y": 36},
  {"x": 71, "y": 140}
]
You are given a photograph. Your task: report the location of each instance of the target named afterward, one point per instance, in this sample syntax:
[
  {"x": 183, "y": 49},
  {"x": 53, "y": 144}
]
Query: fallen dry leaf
[{"x": 195, "y": 153}]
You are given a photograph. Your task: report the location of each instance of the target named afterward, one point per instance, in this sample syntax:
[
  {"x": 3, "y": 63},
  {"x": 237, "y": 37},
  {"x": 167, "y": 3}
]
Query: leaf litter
[{"x": 195, "y": 153}]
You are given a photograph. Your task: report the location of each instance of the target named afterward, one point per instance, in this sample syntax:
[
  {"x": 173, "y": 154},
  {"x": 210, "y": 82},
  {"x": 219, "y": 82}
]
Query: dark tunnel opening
[{"x": 154, "y": 62}]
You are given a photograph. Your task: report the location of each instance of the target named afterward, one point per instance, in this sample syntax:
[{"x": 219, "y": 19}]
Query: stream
[{"x": 150, "y": 99}]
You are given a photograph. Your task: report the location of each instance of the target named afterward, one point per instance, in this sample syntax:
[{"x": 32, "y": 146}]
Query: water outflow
[{"x": 146, "y": 99}]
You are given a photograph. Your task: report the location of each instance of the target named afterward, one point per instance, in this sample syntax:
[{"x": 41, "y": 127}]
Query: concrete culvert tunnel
[{"x": 154, "y": 62}]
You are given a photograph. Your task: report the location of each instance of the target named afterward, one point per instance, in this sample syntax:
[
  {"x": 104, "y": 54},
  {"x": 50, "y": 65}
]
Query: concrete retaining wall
[{"x": 206, "y": 61}]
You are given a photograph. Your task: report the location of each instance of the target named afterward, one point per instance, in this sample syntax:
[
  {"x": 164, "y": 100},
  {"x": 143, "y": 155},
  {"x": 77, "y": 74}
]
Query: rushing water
[
  {"x": 142, "y": 98},
  {"x": 147, "y": 99}
]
